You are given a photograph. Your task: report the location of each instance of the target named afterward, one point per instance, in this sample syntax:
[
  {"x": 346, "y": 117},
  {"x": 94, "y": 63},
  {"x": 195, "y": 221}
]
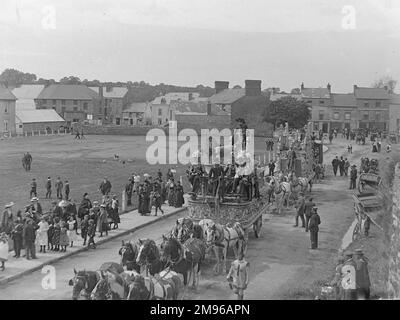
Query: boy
[
  {"x": 91, "y": 233},
  {"x": 85, "y": 228}
]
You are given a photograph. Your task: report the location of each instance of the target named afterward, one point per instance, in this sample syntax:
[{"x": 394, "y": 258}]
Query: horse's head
[
  {"x": 211, "y": 234},
  {"x": 102, "y": 290},
  {"x": 128, "y": 253},
  {"x": 148, "y": 251},
  {"x": 183, "y": 229},
  {"x": 138, "y": 290},
  {"x": 79, "y": 282},
  {"x": 170, "y": 249}
]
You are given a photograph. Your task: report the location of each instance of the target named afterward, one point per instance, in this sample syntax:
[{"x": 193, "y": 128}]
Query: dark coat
[
  {"x": 179, "y": 200},
  {"x": 84, "y": 207},
  {"x": 315, "y": 221},
  {"x": 29, "y": 234}
]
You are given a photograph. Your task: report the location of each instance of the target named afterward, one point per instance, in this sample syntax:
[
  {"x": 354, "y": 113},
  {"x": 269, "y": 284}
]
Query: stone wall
[{"x": 394, "y": 253}]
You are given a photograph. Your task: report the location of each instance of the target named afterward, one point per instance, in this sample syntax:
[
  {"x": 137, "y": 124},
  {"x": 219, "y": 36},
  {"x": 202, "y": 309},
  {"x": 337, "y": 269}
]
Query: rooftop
[
  {"x": 315, "y": 93},
  {"x": 371, "y": 93},
  {"x": 28, "y": 91},
  {"x": 227, "y": 96},
  {"x": 6, "y": 94},
  {"x": 136, "y": 107},
  {"x": 34, "y": 116},
  {"x": 278, "y": 96},
  {"x": 189, "y": 107},
  {"x": 344, "y": 100},
  {"x": 68, "y": 92},
  {"x": 115, "y": 92}
]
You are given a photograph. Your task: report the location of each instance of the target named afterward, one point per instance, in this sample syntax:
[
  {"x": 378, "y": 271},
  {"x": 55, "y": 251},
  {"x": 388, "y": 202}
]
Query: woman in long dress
[
  {"x": 171, "y": 193},
  {"x": 64, "y": 240},
  {"x": 41, "y": 235},
  {"x": 179, "y": 200},
  {"x": 3, "y": 250},
  {"x": 103, "y": 222},
  {"x": 72, "y": 236}
]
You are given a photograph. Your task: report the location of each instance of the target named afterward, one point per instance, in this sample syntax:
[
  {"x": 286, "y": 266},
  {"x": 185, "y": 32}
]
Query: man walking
[
  {"x": 346, "y": 167},
  {"x": 353, "y": 177},
  {"x": 335, "y": 164},
  {"x": 48, "y": 188},
  {"x": 33, "y": 189},
  {"x": 315, "y": 221},
  {"x": 341, "y": 166},
  {"x": 105, "y": 187},
  {"x": 307, "y": 211},
  {"x": 16, "y": 235},
  {"x": 300, "y": 206},
  {"x": 59, "y": 187},
  {"x": 28, "y": 161},
  {"x": 66, "y": 190}
]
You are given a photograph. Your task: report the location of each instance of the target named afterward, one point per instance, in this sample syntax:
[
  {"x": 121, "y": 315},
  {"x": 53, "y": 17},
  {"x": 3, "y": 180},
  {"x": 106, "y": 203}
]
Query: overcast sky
[{"x": 188, "y": 42}]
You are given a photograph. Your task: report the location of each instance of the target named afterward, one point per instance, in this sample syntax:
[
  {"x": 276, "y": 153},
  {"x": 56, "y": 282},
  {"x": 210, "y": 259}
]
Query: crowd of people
[{"x": 59, "y": 227}]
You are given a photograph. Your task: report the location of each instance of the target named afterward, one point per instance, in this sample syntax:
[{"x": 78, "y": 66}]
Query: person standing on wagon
[{"x": 238, "y": 276}]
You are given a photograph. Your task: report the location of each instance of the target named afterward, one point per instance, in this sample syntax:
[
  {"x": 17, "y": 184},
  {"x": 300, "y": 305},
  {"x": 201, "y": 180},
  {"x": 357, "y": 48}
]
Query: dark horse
[
  {"x": 149, "y": 256},
  {"x": 185, "y": 228},
  {"x": 128, "y": 253},
  {"x": 83, "y": 280},
  {"x": 184, "y": 258}
]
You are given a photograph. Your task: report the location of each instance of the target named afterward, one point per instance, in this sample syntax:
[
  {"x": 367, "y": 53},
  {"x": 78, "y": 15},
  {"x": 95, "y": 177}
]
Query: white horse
[
  {"x": 218, "y": 235},
  {"x": 283, "y": 192}
]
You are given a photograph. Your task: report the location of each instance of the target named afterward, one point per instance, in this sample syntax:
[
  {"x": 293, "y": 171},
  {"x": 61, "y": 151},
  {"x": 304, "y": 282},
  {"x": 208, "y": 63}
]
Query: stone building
[{"x": 7, "y": 112}]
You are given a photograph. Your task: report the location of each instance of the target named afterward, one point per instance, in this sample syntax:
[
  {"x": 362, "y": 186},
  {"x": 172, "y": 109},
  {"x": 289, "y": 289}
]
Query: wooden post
[{"x": 123, "y": 201}]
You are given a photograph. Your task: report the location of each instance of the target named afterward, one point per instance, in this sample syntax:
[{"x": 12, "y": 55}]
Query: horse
[
  {"x": 110, "y": 287},
  {"x": 165, "y": 286},
  {"x": 269, "y": 187},
  {"x": 128, "y": 253},
  {"x": 83, "y": 280},
  {"x": 184, "y": 229},
  {"x": 149, "y": 256},
  {"x": 184, "y": 258},
  {"x": 225, "y": 237}
]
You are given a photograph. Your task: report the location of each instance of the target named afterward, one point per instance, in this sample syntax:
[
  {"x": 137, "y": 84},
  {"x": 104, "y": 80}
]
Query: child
[
  {"x": 115, "y": 214},
  {"x": 84, "y": 228},
  {"x": 71, "y": 231},
  {"x": 42, "y": 237},
  {"x": 64, "y": 241},
  {"x": 50, "y": 234},
  {"x": 56, "y": 234},
  {"x": 157, "y": 201},
  {"x": 91, "y": 233}
]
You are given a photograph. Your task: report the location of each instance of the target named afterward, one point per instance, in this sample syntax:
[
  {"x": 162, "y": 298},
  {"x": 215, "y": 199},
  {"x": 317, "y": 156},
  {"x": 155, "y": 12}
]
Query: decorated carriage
[{"x": 368, "y": 182}]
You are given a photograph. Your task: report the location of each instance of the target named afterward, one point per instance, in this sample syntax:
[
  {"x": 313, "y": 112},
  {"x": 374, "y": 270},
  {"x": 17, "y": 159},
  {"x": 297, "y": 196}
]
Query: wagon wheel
[{"x": 257, "y": 227}]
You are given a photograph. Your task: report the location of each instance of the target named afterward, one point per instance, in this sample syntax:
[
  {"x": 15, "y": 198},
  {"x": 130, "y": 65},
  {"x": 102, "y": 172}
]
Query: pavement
[{"x": 130, "y": 221}]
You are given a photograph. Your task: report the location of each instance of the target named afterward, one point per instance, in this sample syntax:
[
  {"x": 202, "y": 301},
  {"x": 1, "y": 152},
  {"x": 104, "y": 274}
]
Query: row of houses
[{"x": 362, "y": 108}]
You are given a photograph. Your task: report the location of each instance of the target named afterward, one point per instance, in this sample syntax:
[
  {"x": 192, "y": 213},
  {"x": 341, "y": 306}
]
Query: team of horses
[{"x": 148, "y": 271}]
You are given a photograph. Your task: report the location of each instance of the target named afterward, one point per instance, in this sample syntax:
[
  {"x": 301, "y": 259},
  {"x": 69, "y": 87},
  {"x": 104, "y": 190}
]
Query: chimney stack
[
  {"x": 209, "y": 108},
  {"x": 302, "y": 86},
  {"x": 253, "y": 87},
  {"x": 329, "y": 87},
  {"x": 221, "y": 85},
  {"x": 354, "y": 87}
]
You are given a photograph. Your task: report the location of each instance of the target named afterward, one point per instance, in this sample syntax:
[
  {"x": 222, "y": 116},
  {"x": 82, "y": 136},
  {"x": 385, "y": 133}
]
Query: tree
[
  {"x": 13, "y": 77},
  {"x": 295, "y": 91},
  {"x": 385, "y": 81},
  {"x": 70, "y": 80},
  {"x": 287, "y": 109}
]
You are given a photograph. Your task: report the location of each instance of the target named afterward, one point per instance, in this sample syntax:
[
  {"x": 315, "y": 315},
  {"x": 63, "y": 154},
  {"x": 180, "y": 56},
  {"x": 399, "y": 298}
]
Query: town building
[
  {"x": 38, "y": 121},
  {"x": 137, "y": 113},
  {"x": 174, "y": 96},
  {"x": 394, "y": 114},
  {"x": 161, "y": 114},
  {"x": 114, "y": 100},
  {"x": 26, "y": 95},
  {"x": 74, "y": 103},
  {"x": 343, "y": 113},
  {"x": 7, "y": 112}
]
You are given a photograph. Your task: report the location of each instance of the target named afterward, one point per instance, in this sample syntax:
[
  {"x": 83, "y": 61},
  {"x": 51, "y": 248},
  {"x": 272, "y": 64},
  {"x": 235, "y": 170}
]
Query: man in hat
[
  {"x": 36, "y": 207},
  {"x": 84, "y": 207},
  {"x": 66, "y": 190},
  {"x": 59, "y": 187},
  {"x": 29, "y": 160},
  {"x": 315, "y": 221},
  {"x": 17, "y": 237},
  {"x": 349, "y": 278},
  {"x": 353, "y": 177},
  {"x": 300, "y": 206},
  {"x": 33, "y": 188},
  {"x": 363, "y": 282},
  {"x": 335, "y": 164},
  {"x": 307, "y": 211},
  {"x": 105, "y": 187},
  {"x": 48, "y": 188},
  {"x": 29, "y": 238}
]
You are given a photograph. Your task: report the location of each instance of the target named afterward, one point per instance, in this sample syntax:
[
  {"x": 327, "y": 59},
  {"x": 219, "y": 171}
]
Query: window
[
  {"x": 366, "y": 105},
  {"x": 347, "y": 116},
  {"x": 85, "y": 106},
  {"x": 159, "y": 112},
  {"x": 366, "y": 116},
  {"x": 321, "y": 101},
  {"x": 75, "y": 120},
  {"x": 75, "y": 102},
  {"x": 321, "y": 115},
  {"x": 75, "y": 108},
  {"x": 377, "y": 116},
  {"x": 336, "y": 115},
  {"x": 378, "y": 104},
  {"x": 63, "y": 102},
  {"x": 54, "y": 102},
  {"x": 20, "y": 126}
]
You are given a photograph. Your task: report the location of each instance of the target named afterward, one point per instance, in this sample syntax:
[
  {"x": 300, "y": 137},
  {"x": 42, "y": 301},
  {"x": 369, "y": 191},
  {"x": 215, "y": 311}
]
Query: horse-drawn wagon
[{"x": 369, "y": 182}]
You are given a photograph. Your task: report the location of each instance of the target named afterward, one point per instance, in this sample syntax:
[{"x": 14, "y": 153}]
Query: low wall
[
  {"x": 118, "y": 130},
  {"x": 394, "y": 253}
]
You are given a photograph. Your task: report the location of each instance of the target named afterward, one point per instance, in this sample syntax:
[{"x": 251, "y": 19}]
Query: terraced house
[{"x": 75, "y": 103}]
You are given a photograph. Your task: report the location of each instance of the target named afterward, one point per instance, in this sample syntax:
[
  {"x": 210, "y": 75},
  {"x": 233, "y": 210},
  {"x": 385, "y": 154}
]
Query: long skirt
[
  {"x": 42, "y": 238},
  {"x": 3, "y": 251},
  {"x": 72, "y": 236}
]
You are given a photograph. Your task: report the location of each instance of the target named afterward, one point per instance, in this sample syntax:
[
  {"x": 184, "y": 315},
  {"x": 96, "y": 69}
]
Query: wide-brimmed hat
[
  {"x": 63, "y": 203},
  {"x": 102, "y": 206},
  {"x": 9, "y": 205},
  {"x": 34, "y": 199}
]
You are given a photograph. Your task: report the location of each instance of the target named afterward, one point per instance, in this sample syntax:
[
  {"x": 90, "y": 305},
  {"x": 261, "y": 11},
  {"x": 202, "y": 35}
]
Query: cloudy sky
[{"x": 188, "y": 42}]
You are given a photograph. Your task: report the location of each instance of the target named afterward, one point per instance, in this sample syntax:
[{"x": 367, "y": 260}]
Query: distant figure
[
  {"x": 353, "y": 177},
  {"x": 388, "y": 148},
  {"x": 82, "y": 136},
  {"x": 59, "y": 188},
  {"x": 315, "y": 221},
  {"x": 66, "y": 190},
  {"x": 77, "y": 135},
  {"x": 33, "y": 189},
  {"x": 48, "y": 188}
]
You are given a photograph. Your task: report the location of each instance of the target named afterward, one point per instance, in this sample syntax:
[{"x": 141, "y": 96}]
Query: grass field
[{"x": 78, "y": 161}]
